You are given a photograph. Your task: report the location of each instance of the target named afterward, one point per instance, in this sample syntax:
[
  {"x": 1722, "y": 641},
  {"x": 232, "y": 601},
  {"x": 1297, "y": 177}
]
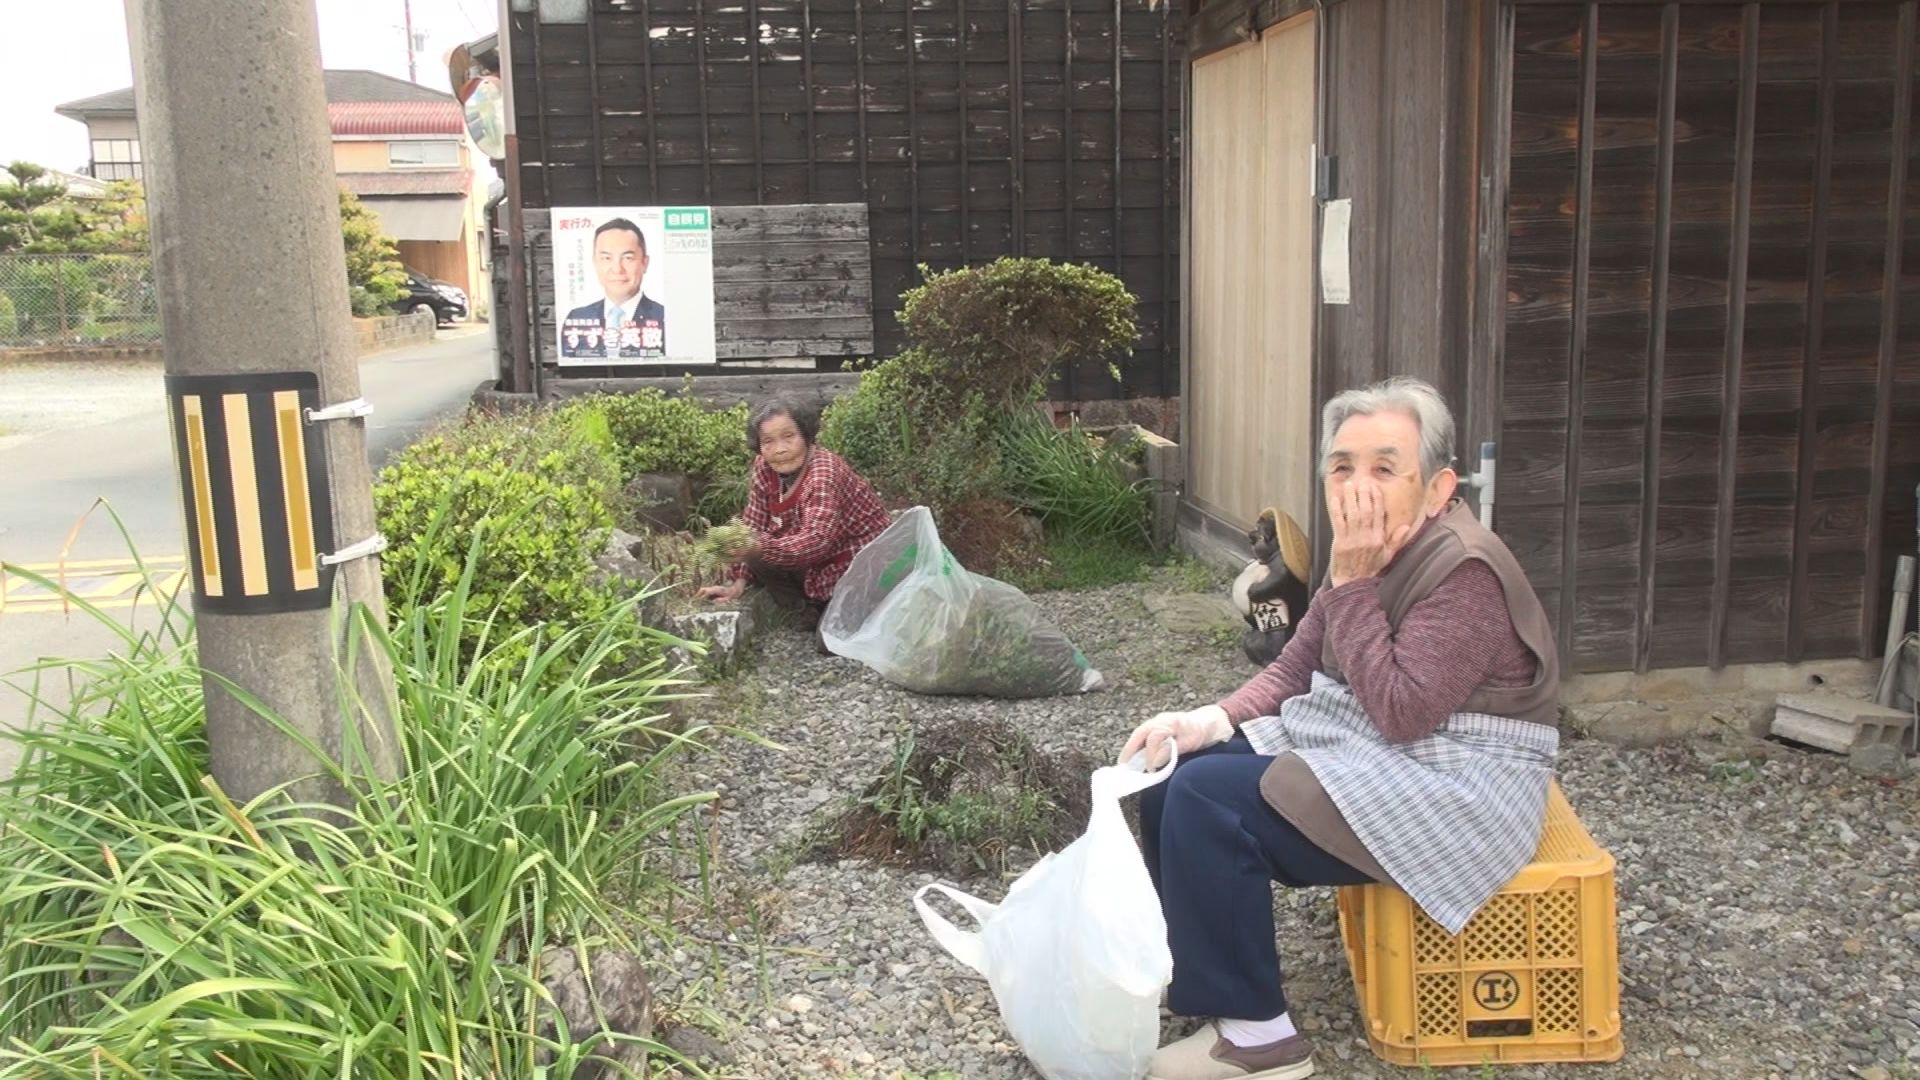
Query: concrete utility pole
[{"x": 251, "y": 278}]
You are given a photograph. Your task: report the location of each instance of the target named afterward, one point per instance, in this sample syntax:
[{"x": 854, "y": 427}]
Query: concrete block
[{"x": 1840, "y": 724}]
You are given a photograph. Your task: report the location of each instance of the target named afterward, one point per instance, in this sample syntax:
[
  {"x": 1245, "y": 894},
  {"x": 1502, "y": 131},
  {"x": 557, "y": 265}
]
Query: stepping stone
[{"x": 1193, "y": 613}]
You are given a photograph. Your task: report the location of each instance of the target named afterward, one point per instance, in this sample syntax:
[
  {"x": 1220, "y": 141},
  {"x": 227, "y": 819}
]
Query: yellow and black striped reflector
[{"x": 253, "y": 482}]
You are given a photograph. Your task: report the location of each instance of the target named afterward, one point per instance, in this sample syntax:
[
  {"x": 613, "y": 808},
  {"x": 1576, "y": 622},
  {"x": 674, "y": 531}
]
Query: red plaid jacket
[{"x": 831, "y": 513}]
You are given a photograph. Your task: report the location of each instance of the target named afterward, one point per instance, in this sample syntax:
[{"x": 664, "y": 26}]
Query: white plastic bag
[
  {"x": 908, "y": 610},
  {"x": 1077, "y": 952}
]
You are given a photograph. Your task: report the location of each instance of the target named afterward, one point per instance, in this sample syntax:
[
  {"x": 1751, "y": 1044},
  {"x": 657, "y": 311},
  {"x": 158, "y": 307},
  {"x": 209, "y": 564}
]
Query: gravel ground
[{"x": 1769, "y": 900}]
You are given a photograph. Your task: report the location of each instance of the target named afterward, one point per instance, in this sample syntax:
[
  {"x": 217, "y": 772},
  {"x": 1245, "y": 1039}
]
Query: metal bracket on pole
[
  {"x": 372, "y": 545},
  {"x": 345, "y": 410}
]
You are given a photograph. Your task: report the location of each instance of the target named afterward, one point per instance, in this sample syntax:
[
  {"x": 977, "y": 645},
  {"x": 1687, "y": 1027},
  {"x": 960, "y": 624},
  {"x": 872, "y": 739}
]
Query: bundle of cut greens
[{"x": 721, "y": 545}]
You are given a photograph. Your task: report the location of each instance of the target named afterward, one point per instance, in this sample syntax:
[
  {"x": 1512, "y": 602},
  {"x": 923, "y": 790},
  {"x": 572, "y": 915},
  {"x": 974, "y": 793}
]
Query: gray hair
[
  {"x": 1400, "y": 394},
  {"x": 807, "y": 420}
]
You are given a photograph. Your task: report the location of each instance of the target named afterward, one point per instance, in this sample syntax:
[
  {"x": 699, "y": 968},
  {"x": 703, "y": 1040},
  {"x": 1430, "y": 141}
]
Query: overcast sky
[{"x": 52, "y": 53}]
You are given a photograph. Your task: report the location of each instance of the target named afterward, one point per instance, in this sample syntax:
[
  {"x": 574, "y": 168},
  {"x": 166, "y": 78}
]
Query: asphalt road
[{"x": 72, "y": 435}]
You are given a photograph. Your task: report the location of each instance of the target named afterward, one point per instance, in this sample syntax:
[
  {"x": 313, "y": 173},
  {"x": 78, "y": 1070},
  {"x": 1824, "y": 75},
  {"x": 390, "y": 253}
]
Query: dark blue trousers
[{"x": 1214, "y": 847}]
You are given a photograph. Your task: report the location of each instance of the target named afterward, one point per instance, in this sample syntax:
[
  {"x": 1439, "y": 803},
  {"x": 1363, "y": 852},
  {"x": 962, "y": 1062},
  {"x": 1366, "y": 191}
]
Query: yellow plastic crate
[{"x": 1534, "y": 977}]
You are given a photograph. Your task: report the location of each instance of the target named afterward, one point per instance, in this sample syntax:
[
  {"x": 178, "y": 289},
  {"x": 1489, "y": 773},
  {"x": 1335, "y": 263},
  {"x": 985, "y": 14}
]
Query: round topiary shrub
[{"x": 1000, "y": 330}]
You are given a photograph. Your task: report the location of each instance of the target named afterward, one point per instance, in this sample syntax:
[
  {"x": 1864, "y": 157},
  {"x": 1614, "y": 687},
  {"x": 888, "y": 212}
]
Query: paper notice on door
[{"x": 1336, "y": 282}]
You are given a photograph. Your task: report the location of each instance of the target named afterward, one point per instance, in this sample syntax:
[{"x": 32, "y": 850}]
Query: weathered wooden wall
[
  {"x": 1398, "y": 80},
  {"x": 1711, "y": 381},
  {"x": 969, "y": 128}
]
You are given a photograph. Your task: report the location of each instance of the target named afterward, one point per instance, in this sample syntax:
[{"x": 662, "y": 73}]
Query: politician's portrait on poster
[{"x": 633, "y": 285}]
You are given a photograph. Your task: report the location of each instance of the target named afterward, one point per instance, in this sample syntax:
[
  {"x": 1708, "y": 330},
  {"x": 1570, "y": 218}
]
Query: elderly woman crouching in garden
[
  {"x": 1406, "y": 734},
  {"x": 809, "y": 513}
]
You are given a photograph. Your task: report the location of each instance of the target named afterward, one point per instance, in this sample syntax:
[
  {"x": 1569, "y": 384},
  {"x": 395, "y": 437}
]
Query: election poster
[{"x": 633, "y": 284}]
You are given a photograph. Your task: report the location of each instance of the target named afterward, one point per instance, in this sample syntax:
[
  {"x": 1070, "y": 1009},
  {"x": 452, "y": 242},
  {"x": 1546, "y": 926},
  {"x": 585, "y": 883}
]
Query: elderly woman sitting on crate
[
  {"x": 1405, "y": 735},
  {"x": 809, "y": 513}
]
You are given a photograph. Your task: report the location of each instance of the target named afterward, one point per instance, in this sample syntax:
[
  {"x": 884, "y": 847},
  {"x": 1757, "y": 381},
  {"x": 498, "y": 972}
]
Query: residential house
[
  {"x": 399, "y": 146},
  {"x": 1660, "y": 255}
]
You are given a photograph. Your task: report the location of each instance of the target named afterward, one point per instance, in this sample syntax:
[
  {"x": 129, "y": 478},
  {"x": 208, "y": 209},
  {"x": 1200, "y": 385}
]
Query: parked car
[{"x": 447, "y": 301}]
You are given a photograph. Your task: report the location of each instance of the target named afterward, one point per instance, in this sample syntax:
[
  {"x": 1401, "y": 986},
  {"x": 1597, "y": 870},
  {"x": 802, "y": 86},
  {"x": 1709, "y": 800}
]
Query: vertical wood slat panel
[
  {"x": 1066, "y": 124},
  {"x": 593, "y": 79},
  {"x": 860, "y": 108},
  {"x": 653, "y": 128},
  {"x": 1017, "y": 104},
  {"x": 1765, "y": 499},
  {"x": 1736, "y": 333},
  {"x": 966, "y": 143},
  {"x": 540, "y": 110},
  {"x": 806, "y": 76},
  {"x": 753, "y": 82},
  {"x": 706, "y": 121},
  {"x": 1797, "y": 601},
  {"x": 1170, "y": 276},
  {"x": 1657, "y": 335},
  {"x": 1872, "y": 614},
  {"x": 1489, "y": 340},
  {"x": 1577, "y": 344},
  {"x": 913, "y": 131},
  {"x": 1119, "y": 131}
]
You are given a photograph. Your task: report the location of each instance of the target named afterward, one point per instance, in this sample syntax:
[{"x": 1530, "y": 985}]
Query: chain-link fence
[{"x": 77, "y": 300}]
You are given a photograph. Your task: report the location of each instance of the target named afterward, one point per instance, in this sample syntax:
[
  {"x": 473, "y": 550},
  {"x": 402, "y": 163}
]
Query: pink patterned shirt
[
  {"x": 816, "y": 527},
  {"x": 1456, "y": 640}
]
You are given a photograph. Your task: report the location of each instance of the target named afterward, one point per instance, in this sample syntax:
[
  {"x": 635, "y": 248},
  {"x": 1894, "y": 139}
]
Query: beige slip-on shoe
[{"x": 1207, "y": 1055}]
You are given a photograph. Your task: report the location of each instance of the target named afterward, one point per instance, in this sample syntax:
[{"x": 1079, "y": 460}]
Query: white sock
[{"x": 1244, "y": 1033}]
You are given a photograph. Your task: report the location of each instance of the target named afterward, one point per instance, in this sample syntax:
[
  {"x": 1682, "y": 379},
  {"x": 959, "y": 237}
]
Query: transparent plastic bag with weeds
[
  {"x": 1076, "y": 954},
  {"x": 908, "y": 610}
]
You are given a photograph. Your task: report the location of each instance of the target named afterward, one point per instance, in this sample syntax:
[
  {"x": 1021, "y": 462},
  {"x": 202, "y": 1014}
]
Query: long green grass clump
[
  {"x": 151, "y": 926},
  {"x": 1076, "y": 485}
]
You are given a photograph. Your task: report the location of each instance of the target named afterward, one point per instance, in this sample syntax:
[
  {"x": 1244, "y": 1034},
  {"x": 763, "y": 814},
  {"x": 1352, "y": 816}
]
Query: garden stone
[
  {"x": 1878, "y": 761},
  {"x": 617, "y": 562},
  {"x": 697, "y": 1045},
  {"x": 1193, "y": 614},
  {"x": 728, "y": 631},
  {"x": 662, "y": 500},
  {"x": 610, "y": 995}
]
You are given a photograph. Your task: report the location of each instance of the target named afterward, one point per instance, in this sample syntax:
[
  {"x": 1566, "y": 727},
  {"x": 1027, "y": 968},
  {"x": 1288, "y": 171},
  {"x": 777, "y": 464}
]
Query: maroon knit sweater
[{"x": 1450, "y": 644}]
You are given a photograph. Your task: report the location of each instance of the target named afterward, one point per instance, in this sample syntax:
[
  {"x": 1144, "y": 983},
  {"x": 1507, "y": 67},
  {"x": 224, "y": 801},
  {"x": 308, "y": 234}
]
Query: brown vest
[{"x": 1439, "y": 549}]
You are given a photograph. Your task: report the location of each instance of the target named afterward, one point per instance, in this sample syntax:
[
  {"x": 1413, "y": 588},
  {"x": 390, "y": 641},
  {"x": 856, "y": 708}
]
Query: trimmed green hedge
[{"x": 542, "y": 486}]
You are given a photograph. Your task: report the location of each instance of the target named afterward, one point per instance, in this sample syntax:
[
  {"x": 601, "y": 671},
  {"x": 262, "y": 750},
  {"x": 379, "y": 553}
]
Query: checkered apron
[{"x": 1452, "y": 816}]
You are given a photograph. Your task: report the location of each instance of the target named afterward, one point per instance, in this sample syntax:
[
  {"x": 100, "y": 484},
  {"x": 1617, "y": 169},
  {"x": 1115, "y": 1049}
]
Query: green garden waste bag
[{"x": 908, "y": 610}]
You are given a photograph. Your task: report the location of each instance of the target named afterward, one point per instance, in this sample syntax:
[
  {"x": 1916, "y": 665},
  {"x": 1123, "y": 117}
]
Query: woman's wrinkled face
[
  {"x": 782, "y": 445},
  {"x": 1383, "y": 451}
]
